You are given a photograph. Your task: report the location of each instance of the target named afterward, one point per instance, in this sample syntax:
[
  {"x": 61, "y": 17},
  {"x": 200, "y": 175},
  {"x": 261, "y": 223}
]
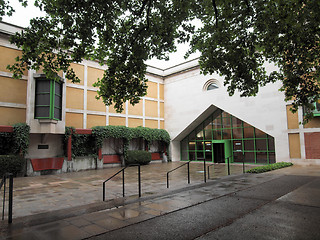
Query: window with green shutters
[{"x": 48, "y": 99}]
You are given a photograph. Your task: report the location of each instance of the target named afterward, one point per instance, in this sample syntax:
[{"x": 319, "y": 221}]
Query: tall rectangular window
[{"x": 48, "y": 99}]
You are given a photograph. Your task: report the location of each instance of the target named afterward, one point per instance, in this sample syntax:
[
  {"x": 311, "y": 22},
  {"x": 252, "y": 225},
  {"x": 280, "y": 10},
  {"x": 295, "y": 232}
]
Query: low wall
[{"x": 44, "y": 166}]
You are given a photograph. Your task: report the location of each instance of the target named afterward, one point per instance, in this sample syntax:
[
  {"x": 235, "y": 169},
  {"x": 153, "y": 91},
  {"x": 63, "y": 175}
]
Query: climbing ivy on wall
[
  {"x": 16, "y": 142},
  {"x": 83, "y": 144}
]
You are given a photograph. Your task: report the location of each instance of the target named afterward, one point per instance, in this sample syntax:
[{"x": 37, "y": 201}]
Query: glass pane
[
  {"x": 208, "y": 146},
  {"x": 208, "y": 129},
  {"x": 249, "y": 157},
  {"x": 225, "y": 114},
  {"x": 271, "y": 143},
  {"x": 237, "y": 133},
  {"x": 237, "y": 146},
  {"x": 58, "y": 88},
  {"x": 248, "y": 132},
  {"x": 249, "y": 144},
  {"x": 43, "y": 86},
  {"x": 272, "y": 158},
  {"x": 237, "y": 156},
  {"x": 226, "y": 133},
  {"x": 261, "y": 144},
  {"x": 216, "y": 134},
  {"x": 208, "y": 134},
  {"x": 42, "y": 99},
  {"x": 200, "y": 135},
  {"x": 200, "y": 156},
  {"x": 192, "y": 146},
  {"x": 192, "y": 156},
  {"x": 217, "y": 123},
  {"x": 236, "y": 122},
  {"x": 42, "y": 112},
  {"x": 260, "y": 134},
  {"x": 58, "y": 101},
  {"x": 226, "y": 122},
  {"x": 212, "y": 86},
  {"x": 192, "y": 136},
  {"x": 262, "y": 157},
  {"x": 199, "y": 146},
  {"x": 57, "y": 113}
]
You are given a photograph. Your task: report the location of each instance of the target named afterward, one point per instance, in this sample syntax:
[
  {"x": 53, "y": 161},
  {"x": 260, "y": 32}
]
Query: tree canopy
[{"x": 235, "y": 39}]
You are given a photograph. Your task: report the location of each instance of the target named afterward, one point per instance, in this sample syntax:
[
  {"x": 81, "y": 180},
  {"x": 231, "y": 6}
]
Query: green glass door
[{"x": 221, "y": 149}]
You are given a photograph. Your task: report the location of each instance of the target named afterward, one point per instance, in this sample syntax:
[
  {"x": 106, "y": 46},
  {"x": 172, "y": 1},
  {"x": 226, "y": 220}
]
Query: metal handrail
[
  {"x": 122, "y": 170},
  {"x": 228, "y": 161},
  {"x": 187, "y": 163},
  {"x": 3, "y": 183}
]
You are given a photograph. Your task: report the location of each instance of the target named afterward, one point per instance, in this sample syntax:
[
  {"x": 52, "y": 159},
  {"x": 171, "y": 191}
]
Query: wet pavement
[{"x": 283, "y": 204}]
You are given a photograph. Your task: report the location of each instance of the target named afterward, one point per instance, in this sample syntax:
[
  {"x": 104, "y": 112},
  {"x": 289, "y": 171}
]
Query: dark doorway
[
  {"x": 208, "y": 148},
  {"x": 218, "y": 151}
]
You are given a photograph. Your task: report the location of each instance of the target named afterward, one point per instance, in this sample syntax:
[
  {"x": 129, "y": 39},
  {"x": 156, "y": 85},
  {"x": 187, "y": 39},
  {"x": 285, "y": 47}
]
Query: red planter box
[
  {"x": 111, "y": 159},
  {"x": 39, "y": 164}
]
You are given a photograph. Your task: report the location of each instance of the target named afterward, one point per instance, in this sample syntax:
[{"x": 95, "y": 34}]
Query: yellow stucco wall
[
  {"x": 79, "y": 71},
  {"x": 74, "y": 98},
  {"x": 161, "y": 88},
  {"x": 112, "y": 110},
  {"x": 93, "y": 75},
  {"x": 117, "y": 121},
  {"x": 13, "y": 90},
  {"x": 292, "y": 119},
  {"x": 95, "y": 120},
  {"x": 94, "y": 104},
  {"x": 162, "y": 110},
  {"x": 161, "y": 124},
  {"x": 313, "y": 123},
  {"x": 74, "y": 120},
  {"x": 135, "y": 122},
  {"x": 137, "y": 109},
  {"x": 151, "y": 123},
  {"x": 152, "y": 90},
  {"x": 8, "y": 56},
  {"x": 10, "y": 116},
  {"x": 151, "y": 108},
  {"x": 294, "y": 145}
]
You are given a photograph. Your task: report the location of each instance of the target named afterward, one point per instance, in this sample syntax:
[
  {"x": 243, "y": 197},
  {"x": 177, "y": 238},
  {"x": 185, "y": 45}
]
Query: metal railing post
[
  {"x": 104, "y": 191},
  {"x": 167, "y": 179},
  {"x": 4, "y": 195},
  {"x": 228, "y": 166},
  {"x": 10, "y": 197},
  {"x": 139, "y": 179},
  {"x": 204, "y": 170},
  {"x": 243, "y": 166},
  {"x": 188, "y": 172},
  {"x": 122, "y": 182}
]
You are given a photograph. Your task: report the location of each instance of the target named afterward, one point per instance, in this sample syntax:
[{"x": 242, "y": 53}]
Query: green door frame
[{"x": 227, "y": 149}]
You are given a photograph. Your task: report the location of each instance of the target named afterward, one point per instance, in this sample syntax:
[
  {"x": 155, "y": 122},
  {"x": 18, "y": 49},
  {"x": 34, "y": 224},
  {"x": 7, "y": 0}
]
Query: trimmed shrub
[
  {"x": 11, "y": 164},
  {"x": 270, "y": 167},
  {"x": 138, "y": 157}
]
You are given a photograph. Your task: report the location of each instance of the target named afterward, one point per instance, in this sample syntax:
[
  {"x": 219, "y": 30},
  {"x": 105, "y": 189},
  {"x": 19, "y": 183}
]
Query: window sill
[{"x": 47, "y": 121}]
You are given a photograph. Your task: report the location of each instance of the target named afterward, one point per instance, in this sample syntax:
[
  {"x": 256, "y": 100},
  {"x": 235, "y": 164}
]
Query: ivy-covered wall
[
  {"x": 89, "y": 144},
  {"x": 16, "y": 142}
]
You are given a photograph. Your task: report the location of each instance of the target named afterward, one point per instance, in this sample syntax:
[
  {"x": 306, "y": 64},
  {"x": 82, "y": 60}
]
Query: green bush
[
  {"x": 138, "y": 157},
  {"x": 270, "y": 167},
  {"x": 11, "y": 164}
]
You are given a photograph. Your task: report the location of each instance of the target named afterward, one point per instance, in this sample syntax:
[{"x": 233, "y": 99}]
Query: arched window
[{"x": 211, "y": 84}]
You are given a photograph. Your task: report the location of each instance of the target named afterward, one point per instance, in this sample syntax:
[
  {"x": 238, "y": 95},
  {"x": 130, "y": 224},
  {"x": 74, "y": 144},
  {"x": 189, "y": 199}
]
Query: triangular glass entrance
[{"x": 218, "y": 138}]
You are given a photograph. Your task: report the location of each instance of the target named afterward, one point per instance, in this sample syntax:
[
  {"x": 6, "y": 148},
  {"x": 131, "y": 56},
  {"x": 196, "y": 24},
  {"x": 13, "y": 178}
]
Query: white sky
[{"x": 21, "y": 17}]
